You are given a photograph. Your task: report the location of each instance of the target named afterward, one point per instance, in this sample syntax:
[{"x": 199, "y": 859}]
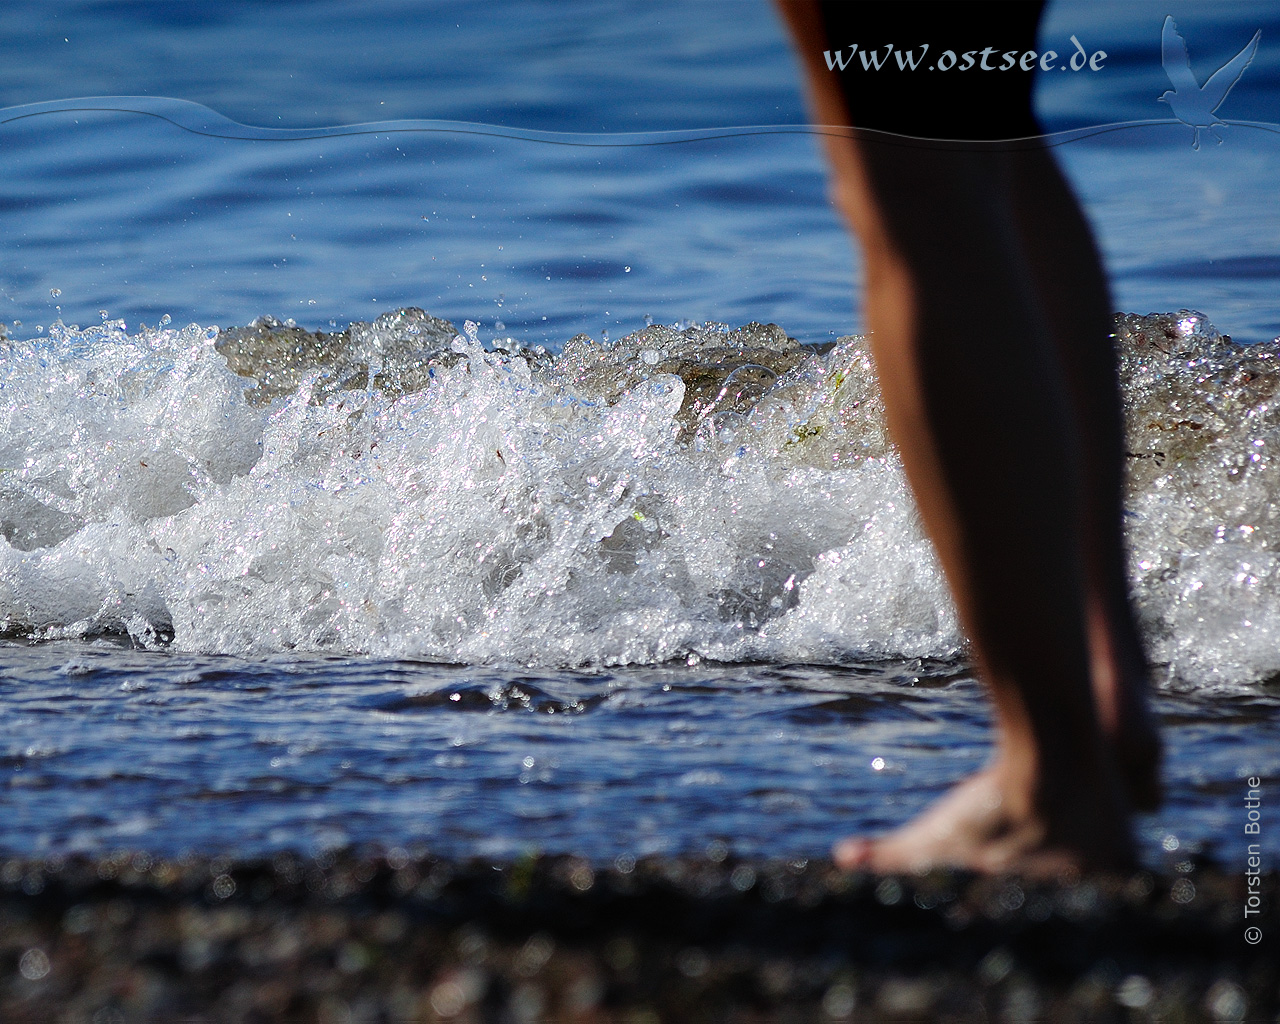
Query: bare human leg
[
  {"x": 985, "y": 412},
  {"x": 978, "y": 404},
  {"x": 1071, "y": 285}
]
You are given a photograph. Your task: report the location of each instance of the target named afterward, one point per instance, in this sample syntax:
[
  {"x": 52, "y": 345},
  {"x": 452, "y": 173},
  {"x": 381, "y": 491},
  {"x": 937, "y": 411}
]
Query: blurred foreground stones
[{"x": 398, "y": 937}]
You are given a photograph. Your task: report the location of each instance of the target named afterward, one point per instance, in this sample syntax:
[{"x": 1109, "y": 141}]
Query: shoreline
[{"x": 361, "y": 937}]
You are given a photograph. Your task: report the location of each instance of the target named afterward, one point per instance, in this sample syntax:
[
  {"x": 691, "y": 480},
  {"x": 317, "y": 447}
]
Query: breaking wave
[{"x": 403, "y": 489}]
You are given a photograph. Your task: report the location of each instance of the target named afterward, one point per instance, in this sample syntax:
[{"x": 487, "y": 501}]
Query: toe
[{"x": 852, "y": 854}]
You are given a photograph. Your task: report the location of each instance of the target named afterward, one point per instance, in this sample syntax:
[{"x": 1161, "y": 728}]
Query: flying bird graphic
[{"x": 1192, "y": 103}]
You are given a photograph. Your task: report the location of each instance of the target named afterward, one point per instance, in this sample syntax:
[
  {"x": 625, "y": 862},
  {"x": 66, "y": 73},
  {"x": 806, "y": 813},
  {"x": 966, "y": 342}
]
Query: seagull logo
[{"x": 1192, "y": 103}]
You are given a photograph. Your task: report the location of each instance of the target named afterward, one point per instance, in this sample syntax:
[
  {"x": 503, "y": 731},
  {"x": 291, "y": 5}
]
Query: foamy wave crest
[
  {"x": 400, "y": 488},
  {"x": 1203, "y": 425}
]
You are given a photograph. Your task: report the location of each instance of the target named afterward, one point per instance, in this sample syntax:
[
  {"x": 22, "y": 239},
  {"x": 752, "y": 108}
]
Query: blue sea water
[{"x": 225, "y": 633}]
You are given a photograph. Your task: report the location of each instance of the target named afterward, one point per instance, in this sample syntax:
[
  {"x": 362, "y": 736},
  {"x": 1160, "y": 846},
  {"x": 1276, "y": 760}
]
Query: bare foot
[{"x": 983, "y": 825}]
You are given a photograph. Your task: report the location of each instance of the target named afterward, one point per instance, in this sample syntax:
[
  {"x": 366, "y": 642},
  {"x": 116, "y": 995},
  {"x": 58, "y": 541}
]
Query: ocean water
[{"x": 441, "y": 430}]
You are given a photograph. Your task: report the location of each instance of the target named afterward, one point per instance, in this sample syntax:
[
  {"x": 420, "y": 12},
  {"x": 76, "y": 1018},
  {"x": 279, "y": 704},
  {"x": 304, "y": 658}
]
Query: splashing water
[{"x": 401, "y": 489}]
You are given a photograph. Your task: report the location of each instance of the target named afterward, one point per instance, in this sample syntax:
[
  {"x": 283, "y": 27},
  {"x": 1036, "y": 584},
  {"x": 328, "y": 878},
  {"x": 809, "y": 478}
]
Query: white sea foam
[
  {"x": 403, "y": 490},
  {"x": 1203, "y": 424}
]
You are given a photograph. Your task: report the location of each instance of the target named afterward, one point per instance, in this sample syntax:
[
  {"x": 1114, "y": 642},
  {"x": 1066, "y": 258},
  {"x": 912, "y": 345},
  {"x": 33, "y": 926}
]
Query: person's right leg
[{"x": 1072, "y": 291}]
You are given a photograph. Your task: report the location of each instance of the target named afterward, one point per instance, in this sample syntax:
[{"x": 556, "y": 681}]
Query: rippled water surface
[{"x": 109, "y": 748}]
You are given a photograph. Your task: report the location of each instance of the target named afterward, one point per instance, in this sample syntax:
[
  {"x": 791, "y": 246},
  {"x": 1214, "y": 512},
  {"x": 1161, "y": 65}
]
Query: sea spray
[
  {"x": 402, "y": 489},
  {"x": 1203, "y": 525}
]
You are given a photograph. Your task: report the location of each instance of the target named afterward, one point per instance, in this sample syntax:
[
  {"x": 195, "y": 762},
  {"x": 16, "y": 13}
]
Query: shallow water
[
  {"x": 242, "y": 572},
  {"x": 116, "y": 749}
]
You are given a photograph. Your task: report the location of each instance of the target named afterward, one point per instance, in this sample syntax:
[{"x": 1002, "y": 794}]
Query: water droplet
[
  {"x": 55, "y": 292},
  {"x": 224, "y": 887},
  {"x": 311, "y": 302},
  {"x": 17, "y": 323},
  {"x": 39, "y": 328},
  {"x": 166, "y": 320},
  {"x": 498, "y": 325},
  {"x": 34, "y": 964},
  {"x": 103, "y": 313},
  {"x": 626, "y": 270}
]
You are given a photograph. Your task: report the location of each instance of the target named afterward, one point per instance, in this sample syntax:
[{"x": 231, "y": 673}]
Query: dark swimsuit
[{"x": 946, "y": 102}]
